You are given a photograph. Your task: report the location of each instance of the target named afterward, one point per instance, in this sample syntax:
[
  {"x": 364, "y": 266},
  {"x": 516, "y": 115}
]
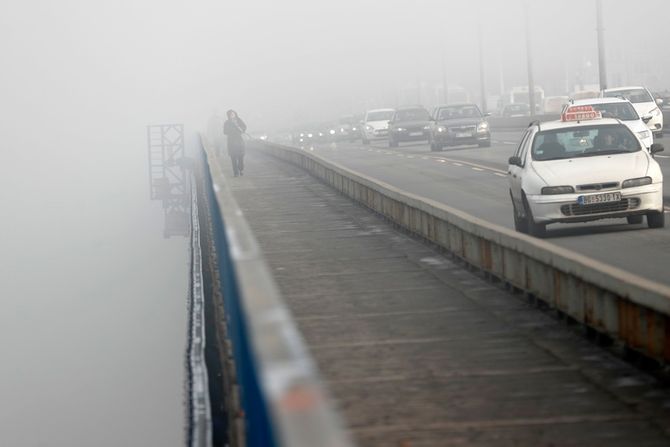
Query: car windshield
[
  {"x": 458, "y": 112},
  {"x": 380, "y": 116},
  {"x": 619, "y": 110},
  {"x": 584, "y": 141},
  {"x": 412, "y": 115},
  {"x": 634, "y": 95}
]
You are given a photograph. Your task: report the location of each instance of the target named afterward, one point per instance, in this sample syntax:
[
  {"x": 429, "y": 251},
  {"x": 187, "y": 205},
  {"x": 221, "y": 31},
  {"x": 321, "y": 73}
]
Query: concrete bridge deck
[{"x": 417, "y": 350}]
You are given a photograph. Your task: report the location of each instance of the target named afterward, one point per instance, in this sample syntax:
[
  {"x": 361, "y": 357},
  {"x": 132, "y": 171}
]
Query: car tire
[
  {"x": 656, "y": 220},
  {"x": 520, "y": 223},
  {"x": 538, "y": 230},
  {"x": 634, "y": 220},
  {"x": 486, "y": 143}
]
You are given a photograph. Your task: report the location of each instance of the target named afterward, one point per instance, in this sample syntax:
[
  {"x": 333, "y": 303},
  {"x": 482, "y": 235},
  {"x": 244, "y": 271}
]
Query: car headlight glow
[
  {"x": 399, "y": 129},
  {"x": 633, "y": 182},
  {"x": 441, "y": 129},
  {"x": 426, "y": 127},
  {"x": 369, "y": 128},
  {"x": 354, "y": 129},
  {"x": 656, "y": 112},
  {"x": 644, "y": 134},
  {"x": 332, "y": 131},
  {"x": 302, "y": 135},
  {"x": 550, "y": 190},
  {"x": 481, "y": 127},
  {"x": 309, "y": 135}
]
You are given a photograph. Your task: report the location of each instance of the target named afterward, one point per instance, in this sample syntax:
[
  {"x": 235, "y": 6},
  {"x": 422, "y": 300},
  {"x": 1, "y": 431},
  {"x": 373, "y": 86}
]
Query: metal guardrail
[
  {"x": 609, "y": 300},
  {"x": 282, "y": 399},
  {"x": 200, "y": 430}
]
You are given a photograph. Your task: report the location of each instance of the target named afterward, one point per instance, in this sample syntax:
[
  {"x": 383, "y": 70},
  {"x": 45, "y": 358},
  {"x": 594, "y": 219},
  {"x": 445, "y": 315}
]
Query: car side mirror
[
  {"x": 646, "y": 118},
  {"x": 656, "y": 148},
  {"x": 659, "y": 101},
  {"x": 516, "y": 161}
]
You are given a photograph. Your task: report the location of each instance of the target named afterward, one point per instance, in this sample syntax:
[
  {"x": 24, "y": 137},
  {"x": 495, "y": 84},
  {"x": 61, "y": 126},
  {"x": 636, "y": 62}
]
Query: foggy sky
[{"x": 149, "y": 61}]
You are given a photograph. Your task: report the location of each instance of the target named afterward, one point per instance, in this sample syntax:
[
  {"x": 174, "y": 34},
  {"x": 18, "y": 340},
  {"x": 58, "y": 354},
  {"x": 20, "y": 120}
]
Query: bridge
[{"x": 363, "y": 295}]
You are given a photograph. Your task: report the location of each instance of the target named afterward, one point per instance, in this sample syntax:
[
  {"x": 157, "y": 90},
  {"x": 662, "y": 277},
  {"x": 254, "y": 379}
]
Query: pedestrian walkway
[{"x": 417, "y": 350}]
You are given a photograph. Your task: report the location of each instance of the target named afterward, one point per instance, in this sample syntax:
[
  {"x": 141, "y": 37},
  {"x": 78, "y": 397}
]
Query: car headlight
[
  {"x": 354, "y": 129},
  {"x": 332, "y": 131},
  {"x": 309, "y": 135},
  {"x": 481, "y": 127},
  {"x": 633, "y": 182},
  {"x": 399, "y": 129},
  {"x": 655, "y": 112},
  {"x": 426, "y": 127},
  {"x": 369, "y": 128},
  {"x": 644, "y": 134},
  {"x": 302, "y": 135},
  {"x": 550, "y": 190},
  {"x": 441, "y": 129}
]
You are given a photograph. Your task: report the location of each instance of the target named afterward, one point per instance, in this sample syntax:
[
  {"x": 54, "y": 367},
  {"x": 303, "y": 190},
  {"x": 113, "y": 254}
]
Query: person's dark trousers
[{"x": 238, "y": 164}]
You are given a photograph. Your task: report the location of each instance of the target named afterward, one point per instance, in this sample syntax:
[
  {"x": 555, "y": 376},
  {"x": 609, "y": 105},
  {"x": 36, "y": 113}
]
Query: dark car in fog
[
  {"x": 409, "y": 124},
  {"x": 458, "y": 124}
]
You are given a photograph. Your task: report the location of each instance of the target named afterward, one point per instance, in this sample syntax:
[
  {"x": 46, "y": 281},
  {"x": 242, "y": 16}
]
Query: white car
[
  {"x": 376, "y": 124},
  {"x": 582, "y": 168},
  {"x": 644, "y": 104},
  {"x": 623, "y": 110}
]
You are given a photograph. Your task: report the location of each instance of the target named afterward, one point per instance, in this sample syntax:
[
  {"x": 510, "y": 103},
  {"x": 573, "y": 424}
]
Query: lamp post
[
  {"x": 602, "y": 70},
  {"x": 529, "y": 59}
]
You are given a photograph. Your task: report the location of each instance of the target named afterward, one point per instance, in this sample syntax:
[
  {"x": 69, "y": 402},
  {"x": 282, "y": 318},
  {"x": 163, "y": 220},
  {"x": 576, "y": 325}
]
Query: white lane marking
[
  {"x": 663, "y": 156},
  {"x": 410, "y": 156},
  {"x": 425, "y": 158},
  {"x": 441, "y": 161},
  {"x": 476, "y": 165},
  {"x": 499, "y": 174},
  {"x": 477, "y": 169},
  {"x": 667, "y": 209},
  {"x": 457, "y": 164}
]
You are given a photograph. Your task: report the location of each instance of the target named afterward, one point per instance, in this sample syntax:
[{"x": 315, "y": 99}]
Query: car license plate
[
  {"x": 463, "y": 134},
  {"x": 599, "y": 198},
  {"x": 415, "y": 134}
]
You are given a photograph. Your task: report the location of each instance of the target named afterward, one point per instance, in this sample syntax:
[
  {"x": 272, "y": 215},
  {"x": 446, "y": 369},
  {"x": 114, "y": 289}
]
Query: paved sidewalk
[{"x": 418, "y": 351}]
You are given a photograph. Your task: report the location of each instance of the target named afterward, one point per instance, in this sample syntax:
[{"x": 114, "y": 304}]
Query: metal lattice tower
[{"x": 168, "y": 180}]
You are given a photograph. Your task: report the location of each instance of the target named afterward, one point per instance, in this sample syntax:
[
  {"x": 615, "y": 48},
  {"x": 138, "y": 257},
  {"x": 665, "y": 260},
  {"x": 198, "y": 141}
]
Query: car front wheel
[
  {"x": 534, "y": 228},
  {"x": 656, "y": 220}
]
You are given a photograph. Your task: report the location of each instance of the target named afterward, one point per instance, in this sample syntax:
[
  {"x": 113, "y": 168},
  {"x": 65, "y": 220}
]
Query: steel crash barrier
[
  {"x": 274, "y": 396},
  {"x": 624, "y": 307}
]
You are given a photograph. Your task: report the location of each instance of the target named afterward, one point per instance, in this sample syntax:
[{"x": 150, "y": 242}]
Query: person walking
[{"x": 234, "y": 127}]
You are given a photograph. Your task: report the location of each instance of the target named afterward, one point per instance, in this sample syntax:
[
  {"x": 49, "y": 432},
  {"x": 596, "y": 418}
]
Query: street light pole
[
  {"x": 602, "y": 70},
  {"x": 445, "y": 91},
  {"x": 481, "y": 70},
  {"x": 529, "y": 59}
]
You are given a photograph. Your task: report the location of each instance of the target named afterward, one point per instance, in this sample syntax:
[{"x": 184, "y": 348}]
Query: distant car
[
  {"x": 458, "y": 124},
  {"x": 409, "y": 124},
  {"x": 583, "y": 168},
  {"x": 349, "y": 128},
  {"x": 375, "y": 124},
  {"x": 644, "y": 104},
  {"x": 623, "y": 110},
  {"x": 515, "y": 110}
]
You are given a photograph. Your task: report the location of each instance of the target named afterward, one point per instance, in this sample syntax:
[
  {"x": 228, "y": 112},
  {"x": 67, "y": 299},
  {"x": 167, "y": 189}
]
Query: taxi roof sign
[{"x": 581, "y": 113}]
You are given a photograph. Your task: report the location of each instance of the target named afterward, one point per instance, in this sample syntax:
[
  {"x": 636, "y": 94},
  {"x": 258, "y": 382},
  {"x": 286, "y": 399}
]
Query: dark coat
[{"x": 234, "y": 129}]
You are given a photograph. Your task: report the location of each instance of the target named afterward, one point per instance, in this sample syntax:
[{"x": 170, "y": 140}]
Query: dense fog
[{"x": 84, "y": 261}]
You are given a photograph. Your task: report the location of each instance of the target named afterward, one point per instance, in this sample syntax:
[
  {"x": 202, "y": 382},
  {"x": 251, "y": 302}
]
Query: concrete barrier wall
[
  {"x": 614, "y": 302},
  {"x": 275, "y": 396}
]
